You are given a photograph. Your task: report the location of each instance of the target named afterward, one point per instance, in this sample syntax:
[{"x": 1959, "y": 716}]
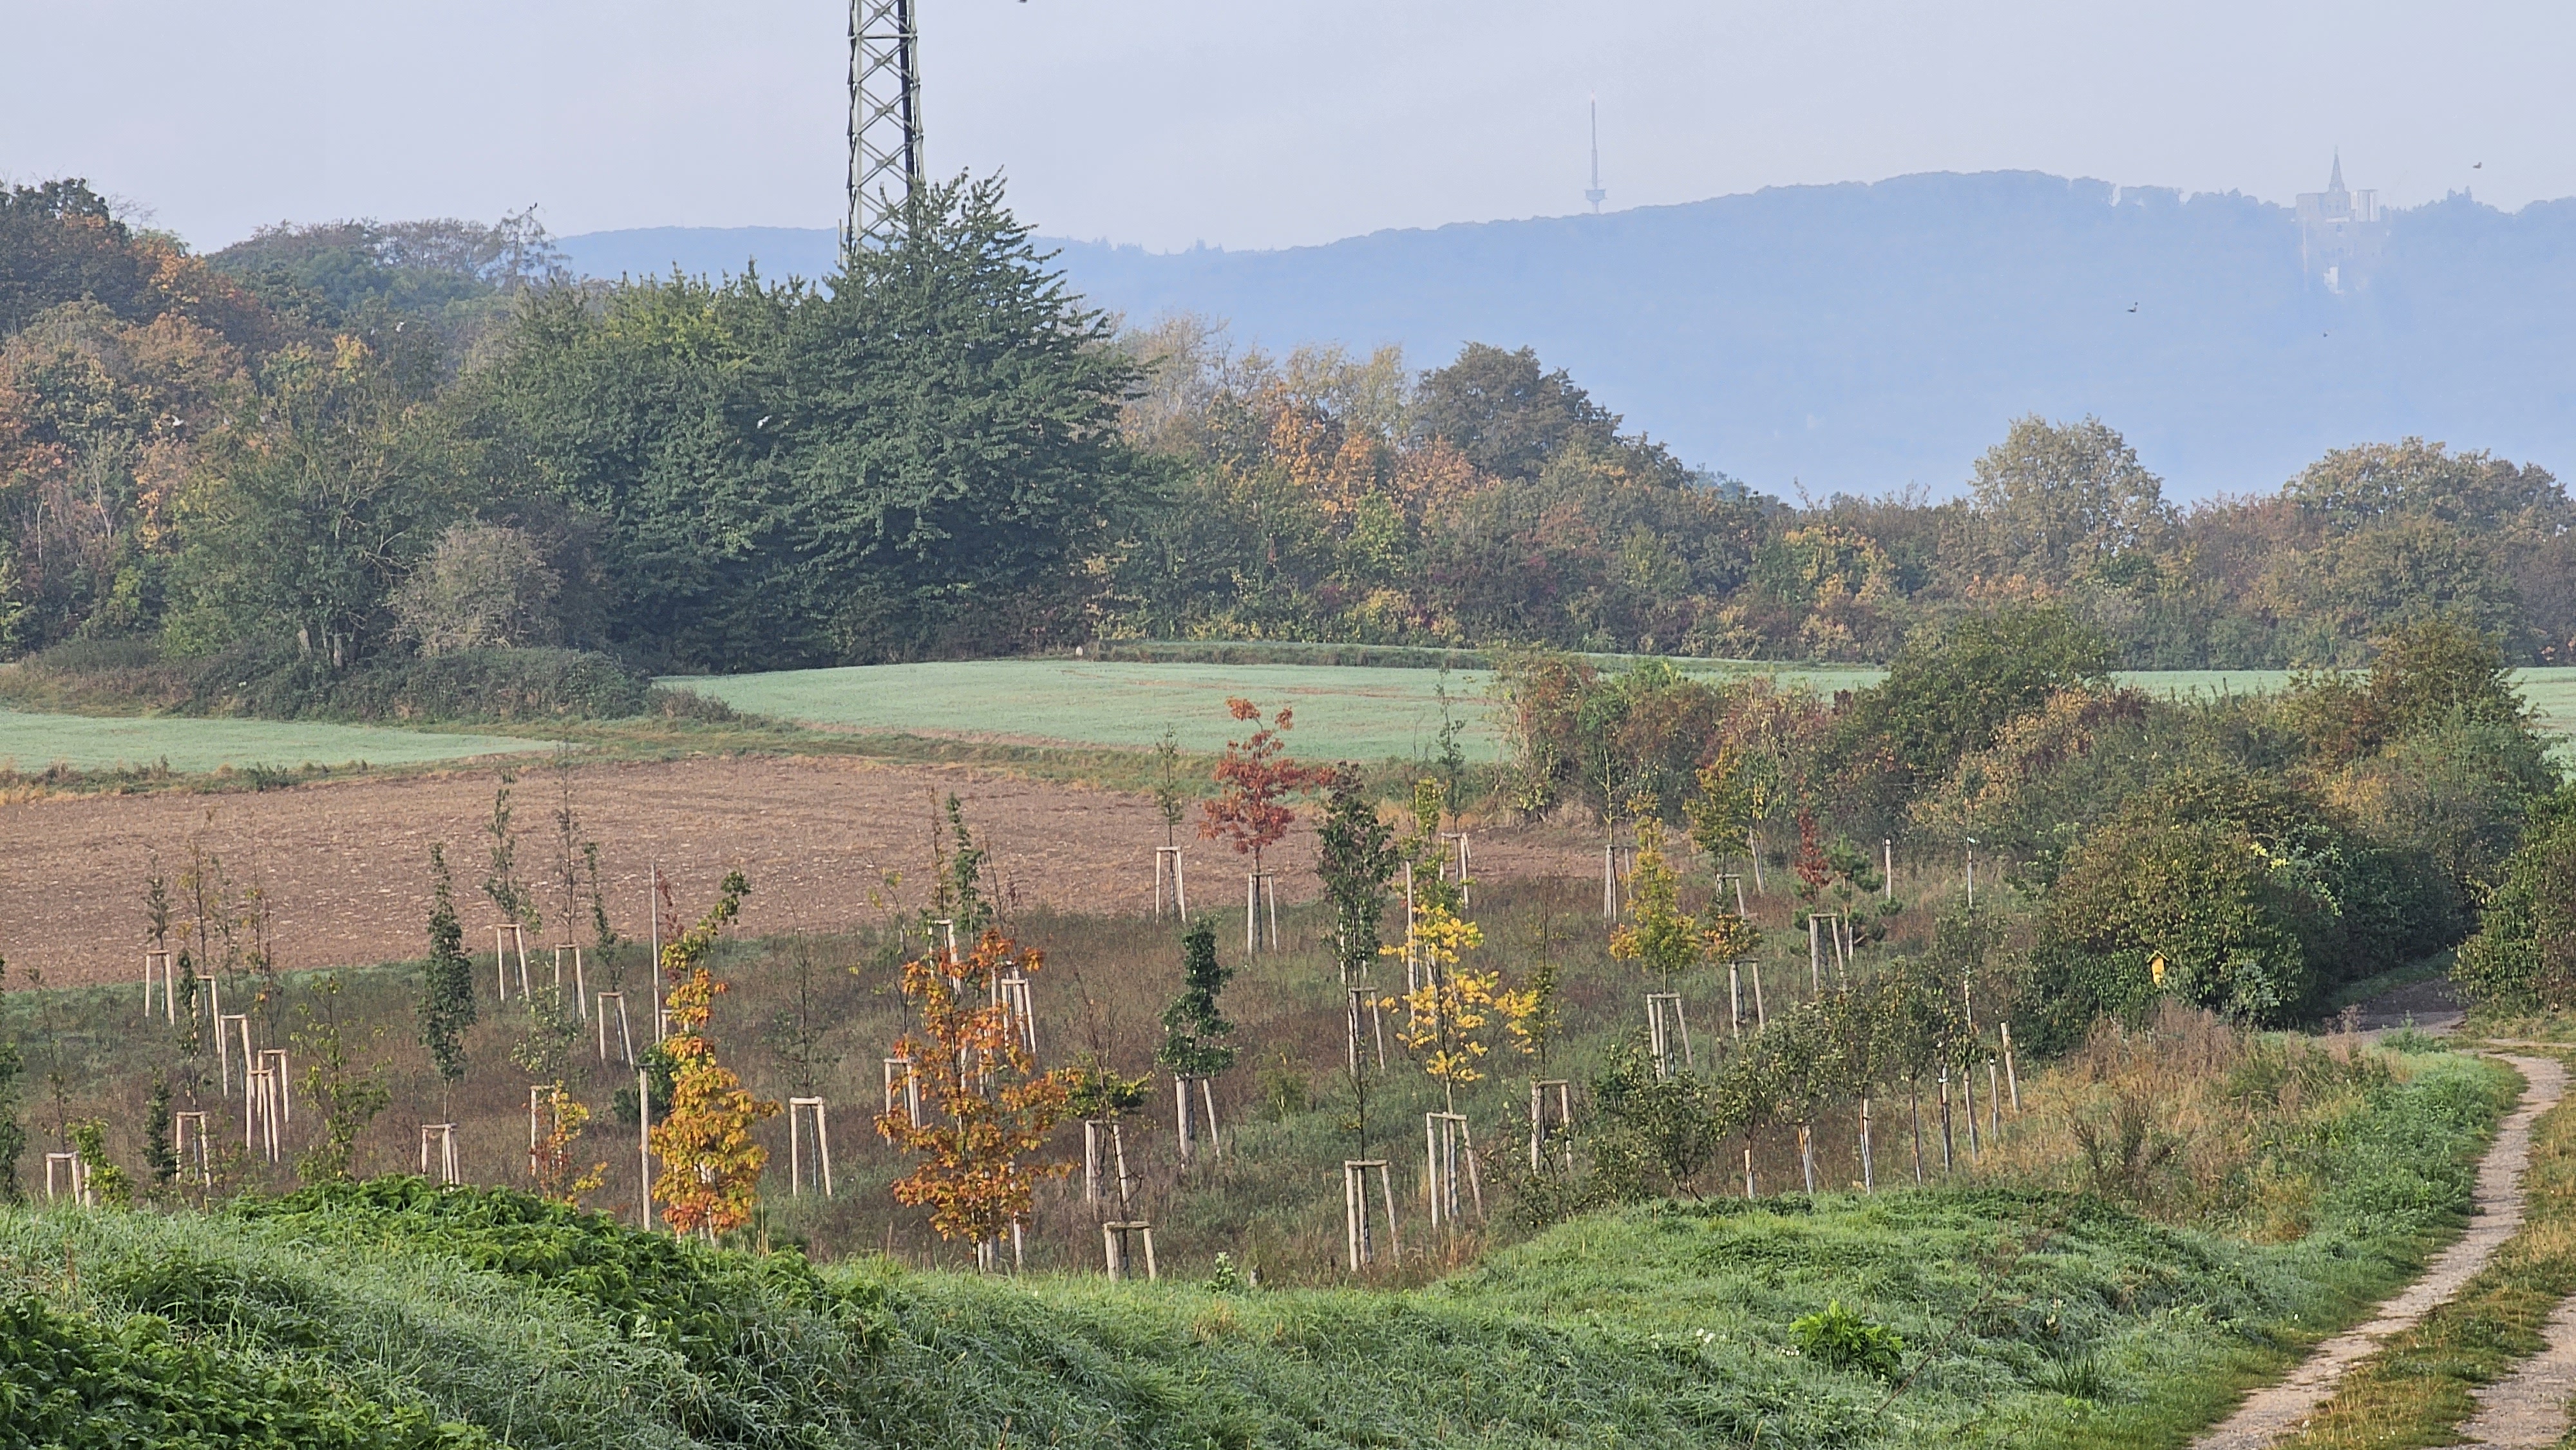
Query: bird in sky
[
  {"x": 2477, "y": 166},
  {"x": 2133, "y": 307}
]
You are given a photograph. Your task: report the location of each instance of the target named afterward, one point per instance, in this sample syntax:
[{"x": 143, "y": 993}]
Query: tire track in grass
[{"x": 2318, "y": 1397}]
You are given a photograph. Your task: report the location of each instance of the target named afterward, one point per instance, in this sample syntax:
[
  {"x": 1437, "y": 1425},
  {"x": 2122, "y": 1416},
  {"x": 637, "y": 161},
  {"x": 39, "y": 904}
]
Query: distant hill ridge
[{"x": 1861, "y": 337}]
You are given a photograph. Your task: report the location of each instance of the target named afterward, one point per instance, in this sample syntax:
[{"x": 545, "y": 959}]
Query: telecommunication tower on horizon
[
  {"x": 885, "y": 119},
  {"x": 1594, "y": 193}
]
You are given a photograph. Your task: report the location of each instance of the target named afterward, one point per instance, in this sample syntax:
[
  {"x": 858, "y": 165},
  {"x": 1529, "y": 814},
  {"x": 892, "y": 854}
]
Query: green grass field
[
  {"x": 1345, "y": 712},
  {"x": 33, "y": 742}
]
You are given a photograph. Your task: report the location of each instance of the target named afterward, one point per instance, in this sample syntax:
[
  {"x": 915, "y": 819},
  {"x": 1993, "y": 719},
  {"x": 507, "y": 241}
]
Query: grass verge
[{"x": 2030, "y": 1317}]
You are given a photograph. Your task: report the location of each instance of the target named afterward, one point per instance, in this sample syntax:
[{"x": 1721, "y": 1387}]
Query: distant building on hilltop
[{"x": 2340, "y": 233}]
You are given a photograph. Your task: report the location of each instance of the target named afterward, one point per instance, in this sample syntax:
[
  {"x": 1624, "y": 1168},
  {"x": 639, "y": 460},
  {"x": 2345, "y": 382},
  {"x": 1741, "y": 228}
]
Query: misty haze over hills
[{"x": 1861, "y": 337}]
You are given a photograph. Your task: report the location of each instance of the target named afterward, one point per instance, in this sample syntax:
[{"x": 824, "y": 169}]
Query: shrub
[
  {"x": 1840, "y": 1339},
  {"x": 2524, "y": 955}
]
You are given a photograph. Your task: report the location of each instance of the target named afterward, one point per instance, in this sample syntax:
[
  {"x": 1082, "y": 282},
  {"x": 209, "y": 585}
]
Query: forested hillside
[{"x": 361, "y": 467}]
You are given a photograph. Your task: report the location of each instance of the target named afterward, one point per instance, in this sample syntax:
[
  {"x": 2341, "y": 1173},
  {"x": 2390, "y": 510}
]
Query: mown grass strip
[{"x": 2420, "y": 1387}]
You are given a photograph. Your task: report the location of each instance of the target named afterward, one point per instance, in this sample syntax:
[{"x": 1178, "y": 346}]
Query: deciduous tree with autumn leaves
[
  {"x": 987, "y": 1108},
  {"x": 710, "y": 1165}
]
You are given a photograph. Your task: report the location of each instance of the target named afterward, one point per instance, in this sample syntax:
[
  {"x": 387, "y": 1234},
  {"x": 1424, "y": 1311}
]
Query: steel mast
[{"x": 885, "y": 119}]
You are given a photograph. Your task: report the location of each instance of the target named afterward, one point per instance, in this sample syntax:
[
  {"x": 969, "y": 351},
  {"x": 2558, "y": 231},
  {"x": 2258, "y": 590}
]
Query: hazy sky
[{"x": 1167, "y": 122}]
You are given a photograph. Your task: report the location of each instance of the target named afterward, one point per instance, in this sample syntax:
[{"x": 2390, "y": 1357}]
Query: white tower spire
[{"x": 1594, "y": 193}]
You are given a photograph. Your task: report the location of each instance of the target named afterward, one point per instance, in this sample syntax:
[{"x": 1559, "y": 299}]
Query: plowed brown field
[{"x": 344, "y": 864}]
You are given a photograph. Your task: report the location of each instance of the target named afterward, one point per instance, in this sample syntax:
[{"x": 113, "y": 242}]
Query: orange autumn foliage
[
  {"x": 710, "y": 1174},
  {"x": 986, "y": 1107}
]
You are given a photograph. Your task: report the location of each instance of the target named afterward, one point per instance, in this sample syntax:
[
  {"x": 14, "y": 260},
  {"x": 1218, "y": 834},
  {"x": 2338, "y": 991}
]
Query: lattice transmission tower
[{"x": 885, "y": 119}]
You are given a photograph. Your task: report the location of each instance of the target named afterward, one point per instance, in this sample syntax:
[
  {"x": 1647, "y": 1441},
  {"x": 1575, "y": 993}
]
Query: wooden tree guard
[
  {"x": 797, "y": 1110},
  {"x": 1097, "y": 1132},
  {"x": 1946, "y": 1142},
  {"x": 1544, "y": 1093},
  {"x": 1012, "y": 992},
  {"x": 625, "y": 1034},
  {"x": 1748, "y": 1166},
  {"x": 1167, "y": 864},
  {"x": 1660, "y": 1030},
  {"x": 1994, "y": 1102},
  {"x": 1735, "y": 1000},
  {"x": 1807, "y": 1157},
  {"x": 1463, "y": 883},
  {"x": 158, "y": 965},
  {"x": 224, "y": 1049},
  {"x": 1117, "y": 1246},
  {"x": 1260, "y": 887},
  {"x": 1887, "y": 852},
  {"x": 1188, "y": 1135},
  {"x": 449, "y": 1175},
  {"x": 259, "y": 1113},
  {"x": 1444, "y": 1141},
  {"x": 900, "y": 1079},
  {"x": 1968, "y": 1099},
  {"x": 1868, "y": 1167},
  {"x": 1617, "y": 862},
  {"x": 1725, "y": 878},
  {"x": 75, "y": 1179},
  {"x": 2011, "y": 1081},
  {"x": 274, "y": 1059},
  {"x": 580, "y": 981},
  {"x": 1364, "y": 1004},
  {"x": 182, "y": 1139},
  {"x": 505, "y": 936},
  {"x": 1357, "y": 1236}
]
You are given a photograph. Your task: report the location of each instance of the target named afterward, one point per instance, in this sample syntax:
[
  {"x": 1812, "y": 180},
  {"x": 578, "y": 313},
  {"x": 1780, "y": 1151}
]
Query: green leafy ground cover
[
  {"x": 30, "y": 742},
  {"x": 2028, "y": 1318},
  {"x": 1358, "y": 712}
]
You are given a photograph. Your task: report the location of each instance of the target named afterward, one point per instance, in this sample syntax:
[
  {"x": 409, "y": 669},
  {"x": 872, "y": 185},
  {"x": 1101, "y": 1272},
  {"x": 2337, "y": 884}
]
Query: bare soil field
[{"x": 344, "y": 865}]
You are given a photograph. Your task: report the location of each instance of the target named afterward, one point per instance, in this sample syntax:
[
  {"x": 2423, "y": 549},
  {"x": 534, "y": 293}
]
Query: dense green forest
[{"x": 340, "y": 449}]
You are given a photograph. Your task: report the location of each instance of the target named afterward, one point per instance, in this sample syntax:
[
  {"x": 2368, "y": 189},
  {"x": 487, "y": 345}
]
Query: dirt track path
[{"x": 2276, "y": 1410}]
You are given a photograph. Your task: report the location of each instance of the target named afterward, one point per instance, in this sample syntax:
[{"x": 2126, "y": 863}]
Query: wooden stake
[
  {"x": 1887, "y": 853},
  {"x": 158, "y": 964},
  {"x": 1868, "y": 1167},
  {"x": 1117, "y": 1245},
  {"x": 1168, "y": 859},
  {"x": 1807, "y": 1157},
  {"x": 1444, "y": 1139},
  {"x": 504, "y": 937},
  {"x": 1659, "y": 1034},
  {"x": 1358, "y": 1238},
  {"x": 2011, "y": 1081},
  {"x": 1541, "y": 1091},
  {"x": 899, "y": 1078},
  {"x": 449, "y": 1176},
  {"x": 1735, "y": 999},
  {"x": 75, "y": 1177},
  {"x": 796, "y": 1145},
  {"x": 625, "y": 1036},
  {"x": 580, "y": 982},
  {"x": 181, "y": 1139}
]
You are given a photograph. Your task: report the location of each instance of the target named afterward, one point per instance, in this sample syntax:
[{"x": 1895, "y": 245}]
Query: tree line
[{"x": 332, "y": 447}]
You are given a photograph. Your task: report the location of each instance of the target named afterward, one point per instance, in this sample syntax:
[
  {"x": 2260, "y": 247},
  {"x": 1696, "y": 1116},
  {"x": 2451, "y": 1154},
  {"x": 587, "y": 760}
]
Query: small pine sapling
[
  {"x": 446, "y": 1005},
  {"x": 710, "y": 1178},
  {"x": 159, "y": 1158},
  {"x": 1194, "y": 1028},
  {"x": 987, "y": 1108}
]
